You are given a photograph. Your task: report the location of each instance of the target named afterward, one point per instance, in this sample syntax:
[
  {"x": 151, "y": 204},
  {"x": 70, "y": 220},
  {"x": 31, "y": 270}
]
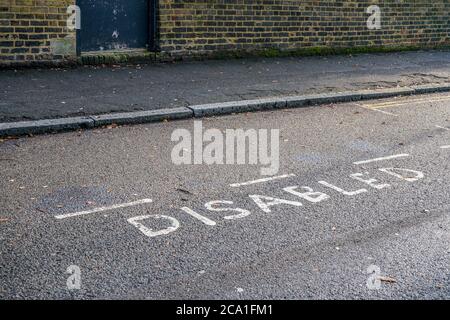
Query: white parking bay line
[
  {"x": 101, "y": 209},
  {"x": 395, "y": 156},
  {"x": 241, "y": 184},
  {"x": 441, "y": 127},
  {"x": 445, "y": 147}
]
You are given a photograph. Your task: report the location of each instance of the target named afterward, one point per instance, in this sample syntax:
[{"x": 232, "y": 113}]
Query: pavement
[
  {"x": 374, "y": 222},
  {"x": 35, "y": 94}
]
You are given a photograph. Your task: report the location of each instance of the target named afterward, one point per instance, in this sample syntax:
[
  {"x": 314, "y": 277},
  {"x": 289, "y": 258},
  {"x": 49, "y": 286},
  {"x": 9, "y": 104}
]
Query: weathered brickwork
[
  {"x": 190, "y": 27},
  {"x": 35, "y": 31}
]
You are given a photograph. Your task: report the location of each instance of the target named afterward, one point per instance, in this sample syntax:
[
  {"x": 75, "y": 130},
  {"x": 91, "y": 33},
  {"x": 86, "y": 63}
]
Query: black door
[{"x": 113, "y": 24}]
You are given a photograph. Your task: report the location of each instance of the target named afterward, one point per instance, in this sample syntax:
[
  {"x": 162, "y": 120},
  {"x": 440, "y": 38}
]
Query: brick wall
[
  {"x": 190, "y": 27},
  {"x": 35, "y": 31}
]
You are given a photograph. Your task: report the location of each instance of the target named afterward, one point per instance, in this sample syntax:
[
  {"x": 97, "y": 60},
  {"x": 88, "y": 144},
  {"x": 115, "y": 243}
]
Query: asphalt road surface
[{"x": 373, "y": 221}]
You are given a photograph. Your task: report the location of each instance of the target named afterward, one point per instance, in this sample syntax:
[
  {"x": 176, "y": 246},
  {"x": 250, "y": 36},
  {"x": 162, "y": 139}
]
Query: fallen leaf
[
  {"x": 112, "y": 126},
  {"x": 3, "y": 220},
  {"x": 387, "y": 279},
  {"x": 184, "y": 191}
]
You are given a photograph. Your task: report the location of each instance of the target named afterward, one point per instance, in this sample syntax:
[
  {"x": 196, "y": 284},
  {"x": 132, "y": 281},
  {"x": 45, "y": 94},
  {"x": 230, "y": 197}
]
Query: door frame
[{"x": 153, "y": 8}]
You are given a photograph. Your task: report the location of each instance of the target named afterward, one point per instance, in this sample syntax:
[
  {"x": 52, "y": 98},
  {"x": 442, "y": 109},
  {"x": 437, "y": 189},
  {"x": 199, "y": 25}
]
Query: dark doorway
[{"x": 114, "y": 25}]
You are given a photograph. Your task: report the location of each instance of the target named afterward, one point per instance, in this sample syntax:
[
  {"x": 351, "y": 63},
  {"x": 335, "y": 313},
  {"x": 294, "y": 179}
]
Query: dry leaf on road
[{"x": 387, "y": 279}]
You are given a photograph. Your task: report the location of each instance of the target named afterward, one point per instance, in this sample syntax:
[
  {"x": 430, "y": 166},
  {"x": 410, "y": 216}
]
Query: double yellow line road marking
[{"x": 381, "y": 105}]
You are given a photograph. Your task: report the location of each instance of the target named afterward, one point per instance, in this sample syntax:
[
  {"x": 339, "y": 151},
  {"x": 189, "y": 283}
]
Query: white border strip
[
  {"x": 445, "y": 147},
  {"x": 203, "y": 219},
  {"x": 395, "y": 156},
  {"x": 234, "y": 185},
  {"x": 100, "y": 209}
]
